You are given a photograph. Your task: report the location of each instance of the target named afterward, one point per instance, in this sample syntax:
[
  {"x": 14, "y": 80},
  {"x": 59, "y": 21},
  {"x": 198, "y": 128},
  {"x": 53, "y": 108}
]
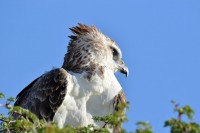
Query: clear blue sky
[{"x": 160, "y": 41}]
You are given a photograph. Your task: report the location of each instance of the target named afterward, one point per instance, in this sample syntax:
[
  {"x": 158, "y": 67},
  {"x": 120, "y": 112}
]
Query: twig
[
  {"x": 2, "y": 105},
  {"x": 105, "y": 124},
  {"x": 3, "y": 120}
]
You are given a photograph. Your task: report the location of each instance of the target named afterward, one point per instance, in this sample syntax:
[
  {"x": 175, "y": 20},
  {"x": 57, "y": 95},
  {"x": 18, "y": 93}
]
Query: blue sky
[{"x": 160, "y": 41}]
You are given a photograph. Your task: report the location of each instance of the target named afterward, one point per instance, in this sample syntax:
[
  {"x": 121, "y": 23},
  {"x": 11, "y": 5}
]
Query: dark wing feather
[
  {"x": 45, "y": 94},
  {"x": 120, "y": 98}
]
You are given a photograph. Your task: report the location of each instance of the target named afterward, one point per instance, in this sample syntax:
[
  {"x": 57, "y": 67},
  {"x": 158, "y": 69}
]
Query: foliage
[
  {"x": 27, "y": 122},
  {"x": 116, "y": 119},
  {"x": 143, "y": 127},
  {"x": 177, "y": 125}
]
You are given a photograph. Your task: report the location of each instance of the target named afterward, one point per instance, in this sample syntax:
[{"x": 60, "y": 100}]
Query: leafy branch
[
  {"x": 22, "y": 120},
  {"x": 27, "y": 122},
  {"x": 177, "y": 125}
]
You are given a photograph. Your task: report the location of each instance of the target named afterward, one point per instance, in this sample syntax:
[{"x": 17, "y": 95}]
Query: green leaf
[
  {"x": 189, "y": 112},
  {"x": 143, "y": 127},
  {"x": 2, "y": 95},
  {"x": 11, "y": 99}
]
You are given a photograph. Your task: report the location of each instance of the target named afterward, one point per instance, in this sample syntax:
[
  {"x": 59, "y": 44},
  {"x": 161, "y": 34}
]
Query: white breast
[{"x": 85, "y": 99}]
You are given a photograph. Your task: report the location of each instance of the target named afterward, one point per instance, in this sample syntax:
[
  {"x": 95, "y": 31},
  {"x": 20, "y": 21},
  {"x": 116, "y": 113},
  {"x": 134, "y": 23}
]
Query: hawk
[{"x": 85, "y": 85}]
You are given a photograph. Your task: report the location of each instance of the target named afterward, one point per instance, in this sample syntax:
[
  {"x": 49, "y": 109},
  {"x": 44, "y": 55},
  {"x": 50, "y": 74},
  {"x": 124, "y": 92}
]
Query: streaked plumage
[{"x": 85, "y": 86}]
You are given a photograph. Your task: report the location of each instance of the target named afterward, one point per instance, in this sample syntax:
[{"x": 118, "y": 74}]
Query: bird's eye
[{"x": 115, "y": 54}]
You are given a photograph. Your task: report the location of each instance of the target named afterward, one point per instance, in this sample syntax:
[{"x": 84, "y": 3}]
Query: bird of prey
[{"x": 85, "y": 85}]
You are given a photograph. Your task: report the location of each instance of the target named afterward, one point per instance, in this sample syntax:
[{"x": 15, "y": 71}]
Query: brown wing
[
  {"x": 45, "y": 94},
  {"x": 120, "y": 98}
]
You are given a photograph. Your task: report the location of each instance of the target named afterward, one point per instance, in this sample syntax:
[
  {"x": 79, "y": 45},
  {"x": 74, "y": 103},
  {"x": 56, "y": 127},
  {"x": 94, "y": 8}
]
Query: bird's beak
[{"x": 123, "y": 68}]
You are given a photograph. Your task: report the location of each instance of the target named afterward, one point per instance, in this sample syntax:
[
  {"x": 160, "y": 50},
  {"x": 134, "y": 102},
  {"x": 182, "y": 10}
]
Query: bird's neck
[
  {"x": 89, "y": 70},
  {"x": 103, "y": 78}
]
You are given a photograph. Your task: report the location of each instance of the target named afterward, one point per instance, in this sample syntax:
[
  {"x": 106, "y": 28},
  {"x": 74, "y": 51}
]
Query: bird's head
[{"x": 89, "y": 49}]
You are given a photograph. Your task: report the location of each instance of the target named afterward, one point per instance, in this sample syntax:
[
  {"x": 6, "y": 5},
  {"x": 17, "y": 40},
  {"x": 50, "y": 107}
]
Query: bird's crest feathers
[{"x": 82, "y": 29}]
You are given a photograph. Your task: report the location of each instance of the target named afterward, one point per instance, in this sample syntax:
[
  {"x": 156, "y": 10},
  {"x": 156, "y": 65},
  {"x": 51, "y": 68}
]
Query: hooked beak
[{"x": 123, "y": 68}]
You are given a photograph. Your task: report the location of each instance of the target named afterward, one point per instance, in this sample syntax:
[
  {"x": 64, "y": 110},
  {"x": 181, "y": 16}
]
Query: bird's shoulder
[{"x": 45, "y": 94}]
